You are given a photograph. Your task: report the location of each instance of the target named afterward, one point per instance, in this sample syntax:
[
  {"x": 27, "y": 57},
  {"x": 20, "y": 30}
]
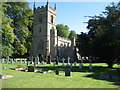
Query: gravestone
[
  {"x": 16, "y": 60},
  {"x": 3, "y": 60},
  {"x": 67, "y": 72},
  {"x": 42, "y": 63},
  {"x": 54, "y": 63},
  {"x": 7, "y": 59},
  {"x": 70, "y": 65},
  {"x": 4, "y": 67},
  {"x": 30, "y": 68},
  {"x": 80, "y": 65},
  {"x": 75, "y": 64},
  {"x": 90, "y": 66},
  {"x": 63, "y": 62},
  {"x": 20, "y": 60},
  {"x": 57, "y": 72},
  {"x": 11, "y": 61},
  {"x": 37, "y": 60},
  {"x": 68, "y": 61},
  {"x": 25, "y": 61}
]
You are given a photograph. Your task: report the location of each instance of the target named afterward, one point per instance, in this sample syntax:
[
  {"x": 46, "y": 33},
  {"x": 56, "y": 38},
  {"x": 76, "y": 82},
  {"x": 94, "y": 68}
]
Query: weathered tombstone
[
  {"x": 20, "y": 60},
  {"x": 68, "y": 61},
  {"x": 57, "y": 72},
  {"x": 67, "y": 72},
  {"x": 70, "y": 65},
  {"x": 63, "y": 62},
  {"x": 30, "y": 68},
  {"x": 74, "y": 64}
]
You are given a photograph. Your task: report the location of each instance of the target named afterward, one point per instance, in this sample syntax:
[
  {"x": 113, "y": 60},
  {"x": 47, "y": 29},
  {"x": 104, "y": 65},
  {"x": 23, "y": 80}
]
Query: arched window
[{"x": 52, "y": 18}]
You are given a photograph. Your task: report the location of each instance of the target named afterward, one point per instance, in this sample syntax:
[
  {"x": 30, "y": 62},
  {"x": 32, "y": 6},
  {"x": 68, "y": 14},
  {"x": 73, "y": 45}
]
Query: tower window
[
  {"x": 40, "y": 45},
  {"x": 52, "y": 18}
]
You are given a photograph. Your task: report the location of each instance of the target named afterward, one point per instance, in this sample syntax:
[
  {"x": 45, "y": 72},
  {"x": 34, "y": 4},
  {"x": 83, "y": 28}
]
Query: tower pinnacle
[
  {"x": 34, "y": 6},
  {"x": 55, "y": 6},
  {"x": 47, "y": 2}
]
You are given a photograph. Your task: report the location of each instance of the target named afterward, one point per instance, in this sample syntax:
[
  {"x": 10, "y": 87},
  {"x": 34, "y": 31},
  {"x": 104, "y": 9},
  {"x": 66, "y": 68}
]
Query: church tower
[{"x": 44, "y": 38}]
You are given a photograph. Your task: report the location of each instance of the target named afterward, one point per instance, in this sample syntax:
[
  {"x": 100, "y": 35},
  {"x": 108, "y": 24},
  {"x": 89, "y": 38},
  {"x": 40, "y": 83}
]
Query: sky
[{"x": 73, "y": 14}]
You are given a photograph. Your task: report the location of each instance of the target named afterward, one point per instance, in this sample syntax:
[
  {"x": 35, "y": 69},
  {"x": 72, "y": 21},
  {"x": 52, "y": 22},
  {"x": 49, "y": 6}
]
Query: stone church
[{"x": 45, "y": 40}]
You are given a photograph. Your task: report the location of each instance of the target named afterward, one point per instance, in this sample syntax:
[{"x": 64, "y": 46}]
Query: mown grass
[{"x": 79, "y": 77}]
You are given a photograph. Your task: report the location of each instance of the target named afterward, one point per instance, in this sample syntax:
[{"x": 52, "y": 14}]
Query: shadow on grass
[{"x": 98, "y": 72}]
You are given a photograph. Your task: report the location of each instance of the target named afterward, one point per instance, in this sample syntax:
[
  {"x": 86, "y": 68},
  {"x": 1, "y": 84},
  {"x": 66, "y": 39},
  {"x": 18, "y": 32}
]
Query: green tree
[
  {"x": 7, "y": 33},
  {"x": 22, "y": 17},
  {"x": 104, "y": 33},
  {"x": 72, "y": 34},
  {"x": 62, "y": 30},
  {"x": 83, "y": 44}
]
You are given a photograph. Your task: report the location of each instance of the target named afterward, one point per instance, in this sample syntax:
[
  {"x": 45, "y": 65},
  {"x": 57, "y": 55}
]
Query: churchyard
[{"x": 81, "y": 75}]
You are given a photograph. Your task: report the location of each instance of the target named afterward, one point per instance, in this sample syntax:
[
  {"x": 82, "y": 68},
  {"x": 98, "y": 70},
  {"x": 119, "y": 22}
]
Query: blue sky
[{"x": 73, "y": 13}]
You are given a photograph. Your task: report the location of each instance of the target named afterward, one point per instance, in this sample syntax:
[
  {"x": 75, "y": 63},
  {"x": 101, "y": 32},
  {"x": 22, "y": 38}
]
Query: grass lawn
[{"x": 80, "y": 78}]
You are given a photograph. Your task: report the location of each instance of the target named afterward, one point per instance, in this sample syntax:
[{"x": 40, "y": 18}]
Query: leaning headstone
[
  {"x": 30, "y": 68},
  {"x": 74, "y": 64},
  {"x": 68, "y": 61},
  {"x": 67, "y": 72},
  {"x": 63, "y": 62},
  {"x": 70, "y": 65}
]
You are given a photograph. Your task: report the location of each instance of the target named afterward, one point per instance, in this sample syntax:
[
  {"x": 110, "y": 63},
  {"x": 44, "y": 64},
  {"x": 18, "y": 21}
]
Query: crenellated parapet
[{"x": 63, "y": 39}]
